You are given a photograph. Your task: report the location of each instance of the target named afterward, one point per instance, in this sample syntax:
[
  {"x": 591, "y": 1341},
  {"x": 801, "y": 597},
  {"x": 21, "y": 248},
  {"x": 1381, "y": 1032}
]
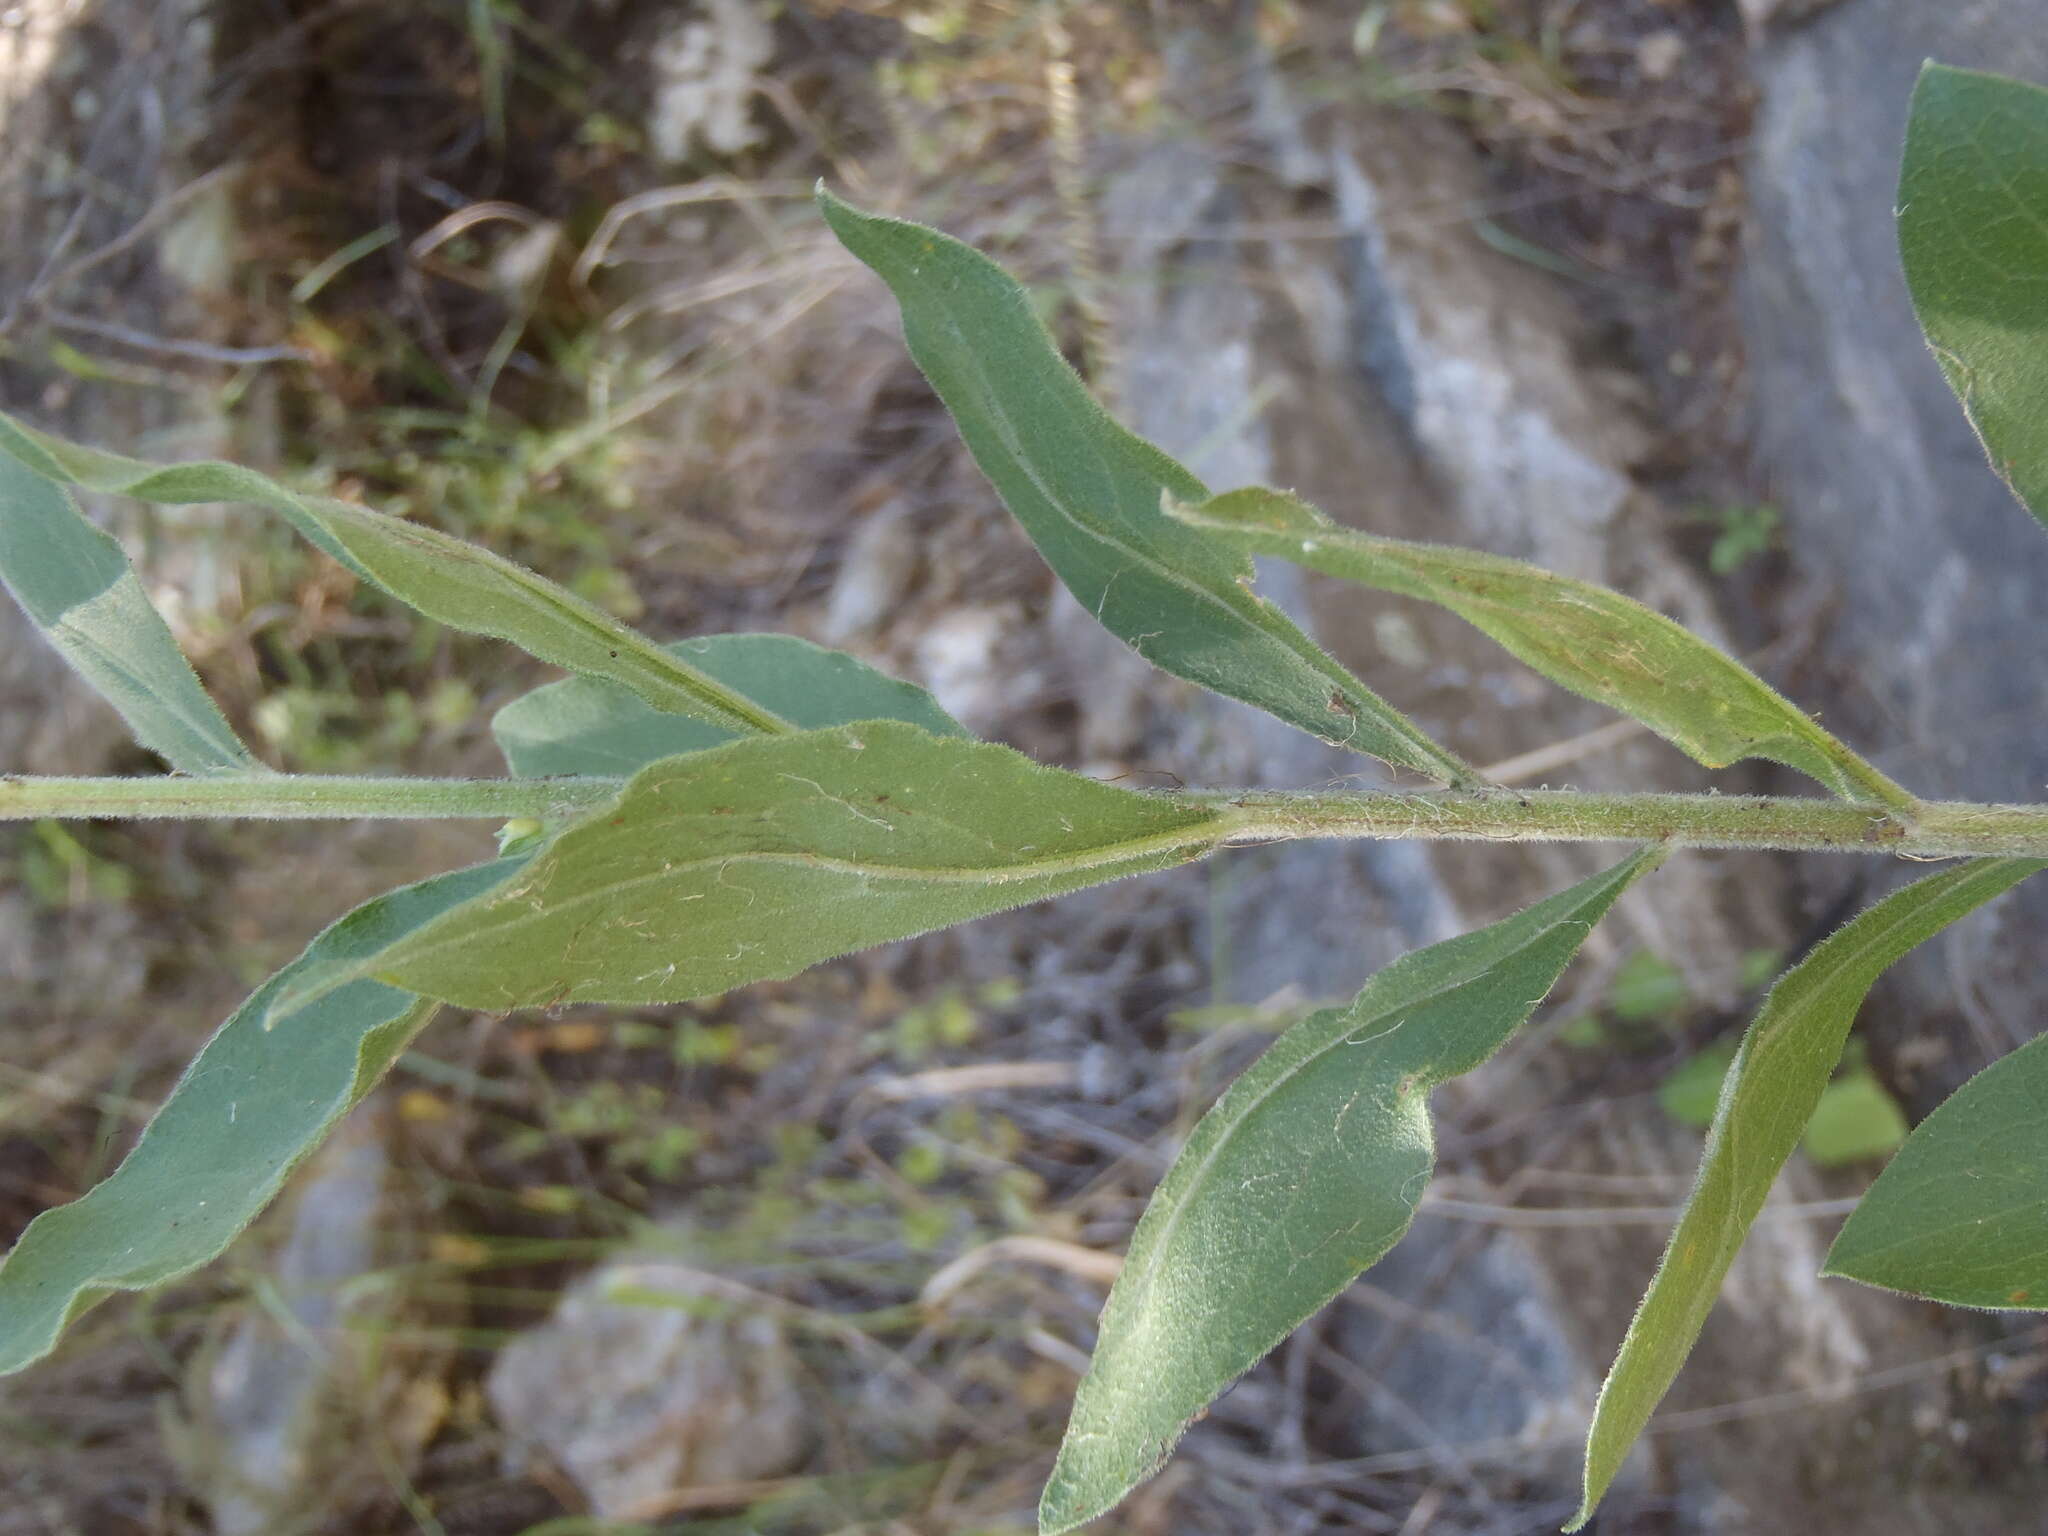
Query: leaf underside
[
  {"x": 309, "y": 1043},
  {"x": 1960, "y": 1214},
  {"x": 1088, "y": 493},
  {"x": 1973, "y": 236},
  {"x": 1594, "y": 641},
  {"x": 1304, "y": 1173},
  {"x": 460, "y": 584},
  {"x": 1783, "y": 1066},
  {"x": 751, "y": 861},
  {"x": 76, "y": 585},
  {"x": 584, "y": 725},
  {"x": 253, "y": 1104}
]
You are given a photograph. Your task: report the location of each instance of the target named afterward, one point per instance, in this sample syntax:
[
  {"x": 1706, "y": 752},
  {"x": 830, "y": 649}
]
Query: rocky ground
[{"x": 1605, "y": 285}]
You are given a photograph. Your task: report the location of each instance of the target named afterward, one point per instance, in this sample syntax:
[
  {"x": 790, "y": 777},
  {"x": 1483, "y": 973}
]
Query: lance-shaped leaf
[
  {"x": 1960, "y": 1214},
  {"x": 254, "y": 1103},
  {"x": 1589, "y": 639},
  {"x": 74, "y": 582},
  {"x": 751, "y": 861},
  {"x": 583, "y": 725},
  {"x": 1087, "y": 492},
  {"x": 1305, "y": 1172},
  {"x": 1974, "y": 238},
  {"x": 1778, "y": 1075},
  {"x": 446, "y": 578}
]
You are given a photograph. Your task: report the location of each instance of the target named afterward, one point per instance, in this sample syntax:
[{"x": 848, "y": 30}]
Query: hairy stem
[
  {"x": 1931, "y": 830},
  {"x": 298, "y": 797},
  {"x": 1936, "y": 829}
]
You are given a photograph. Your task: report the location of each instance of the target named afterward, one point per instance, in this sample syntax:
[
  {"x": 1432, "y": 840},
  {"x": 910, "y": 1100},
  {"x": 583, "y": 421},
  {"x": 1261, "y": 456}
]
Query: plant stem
[
  {"x": 1932, "y": 830},
  {"x": 1936, "y": 829},
  {"x": 298, "y": 797}
]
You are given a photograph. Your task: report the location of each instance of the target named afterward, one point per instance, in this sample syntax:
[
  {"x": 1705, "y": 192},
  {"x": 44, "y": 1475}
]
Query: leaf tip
[
  {"x": 1093, "y": 1474},
  {"x": 841, "y": 215},
  {"x": 1598, "y": 1479},
  {"x": 1062, "y": 1509}
]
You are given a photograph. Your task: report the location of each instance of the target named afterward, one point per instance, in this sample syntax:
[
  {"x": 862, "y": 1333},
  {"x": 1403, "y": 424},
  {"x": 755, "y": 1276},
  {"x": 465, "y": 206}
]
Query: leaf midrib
[
  {"x": 663, "y": 667},
  {"x": 1834, "y": 964},
  {"x": 1426, "y": 999},
  {"x": 1247, "y": 610},
  {"x": 1848, "y": 777},
  {"x": 231, "y": 753},
  {"x": 926, "y": 874},
  {"x": 1815, "y": 994},
  {"x": 132, "y": 478}
]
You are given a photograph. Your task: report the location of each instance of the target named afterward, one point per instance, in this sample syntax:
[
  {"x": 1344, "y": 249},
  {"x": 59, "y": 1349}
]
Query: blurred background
[{"x": 1607, "y": 284}]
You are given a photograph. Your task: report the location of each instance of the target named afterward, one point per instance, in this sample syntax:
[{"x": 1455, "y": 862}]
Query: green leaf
[
  {"x": 1305, "y": 1172},
  {"x": 1088, "y": 493},
  {"x": 1778, "y": 1076},
  {"x": 1973, "y": 232},
  {"x": 1594, "y": 641},
  {"x": 1647, "y": 989},
  {"x": 1692, "y": 1091},
  {"x": 751, "y": 861},
  {"x": 75, "y": 584},
  {"x": 582, "y": 725},
  {"x": 445, "y": 578},
  {"x": 1961, "y": 1214},
  {"x": 253, "y": 1104},
  {"x": 1856, "y": 1119}
]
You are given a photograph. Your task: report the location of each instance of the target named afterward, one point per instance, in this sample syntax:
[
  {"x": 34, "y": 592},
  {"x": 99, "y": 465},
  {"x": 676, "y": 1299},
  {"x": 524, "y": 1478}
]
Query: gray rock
[
  {"x": 1887, "y": 497},
  {"x": 1936, "y": 574},
  {"x": 1362, "y": 372},
  {"x": 1192, "y": 378},
  {"x": 262, "y": 1439},
  {"x": 1414, "y": 382},
  {"x": 634, "y": 1401},
  {"x": 875, "y": 574},
  {"x": 1441, "y": 1315},
  {"x": 1884, "y": 487}
]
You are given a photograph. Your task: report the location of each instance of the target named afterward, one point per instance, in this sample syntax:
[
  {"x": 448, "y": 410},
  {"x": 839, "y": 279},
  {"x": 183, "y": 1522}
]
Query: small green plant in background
[
  {"x": 1647, "y": 989},
  {"x": 1741, "y": 534},
  {"x": 59, "y": 870},
  {"x": 691, "y": 817},
  {"x": 1855, "y": 1119}
]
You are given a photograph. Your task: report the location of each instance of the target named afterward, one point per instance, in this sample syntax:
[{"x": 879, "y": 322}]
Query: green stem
[
  {"x": 1931, "y": 829},
  {"x": 298, "y": 797}
]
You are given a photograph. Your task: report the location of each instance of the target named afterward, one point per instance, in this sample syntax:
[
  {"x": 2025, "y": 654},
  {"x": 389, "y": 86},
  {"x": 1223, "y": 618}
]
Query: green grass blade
[
  {"x": 1306, "y": 1171},
  {"x": 1973, "y": 234},
  {"x": 76, "y": 585},
  {"x": 1778, "y": 1075},
  {"x": 1088, "y": 493},
  {"x": 1960, "y": 1214},
  {"x": 1594, "y": 641},
  {"x": 253, "y": 1104},
  {"x": 751, "y": 861},
  {"x": 445, "y": 578},
  {"x": 583, "y": 725}
]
